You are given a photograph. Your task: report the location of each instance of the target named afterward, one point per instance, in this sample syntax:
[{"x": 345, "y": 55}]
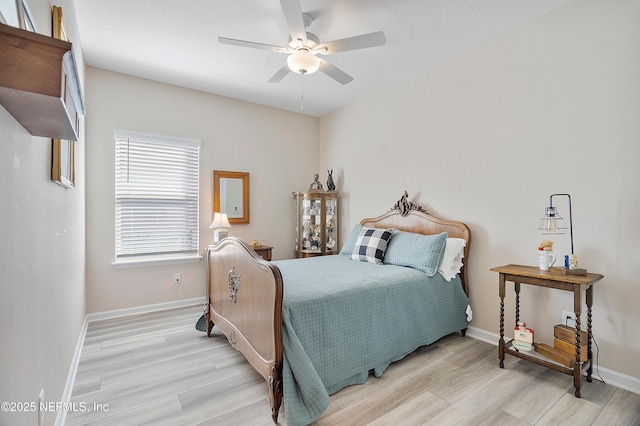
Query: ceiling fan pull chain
[{"x": 301, "y": 92}]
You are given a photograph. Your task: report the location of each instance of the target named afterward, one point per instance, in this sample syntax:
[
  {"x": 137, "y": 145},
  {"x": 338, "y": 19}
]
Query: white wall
[
  {"x": 486, "y": 137},
  {"x": 42, "y": 258},
  {"x": 279, "y": 149}
]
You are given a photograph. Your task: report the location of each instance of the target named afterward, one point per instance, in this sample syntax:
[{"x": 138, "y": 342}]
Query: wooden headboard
[{"x": 410, "y": 217}]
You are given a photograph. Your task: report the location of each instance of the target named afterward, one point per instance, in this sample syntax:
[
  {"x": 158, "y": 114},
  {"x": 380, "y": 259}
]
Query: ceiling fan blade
[
  {"x": 251, "y": 44},
  {"x": 280, "y": 74},
  {"x": 293, "y": 15},
  {"x": 334, "y": 72},
  {"x": 352, "y": 43}
]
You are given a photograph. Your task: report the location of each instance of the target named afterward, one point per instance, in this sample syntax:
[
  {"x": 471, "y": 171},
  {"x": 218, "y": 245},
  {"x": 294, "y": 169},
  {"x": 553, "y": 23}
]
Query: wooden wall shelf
[{"x": 39, "y": 83}]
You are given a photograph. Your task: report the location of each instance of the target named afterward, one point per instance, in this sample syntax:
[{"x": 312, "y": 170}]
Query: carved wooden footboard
[{"x": 245, "y": 303}]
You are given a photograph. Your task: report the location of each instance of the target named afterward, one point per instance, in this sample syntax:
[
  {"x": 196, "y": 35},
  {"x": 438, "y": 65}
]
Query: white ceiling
[{"x": 175, "y": 42}]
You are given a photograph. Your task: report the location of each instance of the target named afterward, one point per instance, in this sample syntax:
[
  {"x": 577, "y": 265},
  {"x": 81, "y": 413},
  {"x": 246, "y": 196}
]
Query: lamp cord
[
  {"x": 566, "y": 320},
  {"x": 597, "y": 354}
]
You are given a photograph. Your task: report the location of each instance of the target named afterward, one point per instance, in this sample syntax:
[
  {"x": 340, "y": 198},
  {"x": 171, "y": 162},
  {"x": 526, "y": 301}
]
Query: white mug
[{"x": 546, "y": 259}]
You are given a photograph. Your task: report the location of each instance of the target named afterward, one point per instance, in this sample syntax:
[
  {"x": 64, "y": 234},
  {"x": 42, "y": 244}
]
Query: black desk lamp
[{"x": 553, "y": 224}]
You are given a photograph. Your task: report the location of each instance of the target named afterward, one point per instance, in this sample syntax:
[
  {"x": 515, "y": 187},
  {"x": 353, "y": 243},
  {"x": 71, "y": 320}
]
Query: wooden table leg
[
  {"x": 577, "y": 367},
  {"x": 501, "y": 341},
  {"x": 516, "y": 288},
  {"x": 589, "y": 353}
]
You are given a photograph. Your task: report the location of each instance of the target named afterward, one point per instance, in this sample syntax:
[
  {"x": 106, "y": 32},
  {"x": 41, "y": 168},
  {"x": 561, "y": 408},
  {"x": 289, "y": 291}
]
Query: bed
[{"x": 313, "y": 326}]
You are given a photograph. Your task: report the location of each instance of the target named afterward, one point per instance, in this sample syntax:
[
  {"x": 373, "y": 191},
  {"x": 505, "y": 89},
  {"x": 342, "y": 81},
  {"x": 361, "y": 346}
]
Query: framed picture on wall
[
  {"x": 62, "y": 165},
  {"x": 63, "y": 161},
  {"x": 59, "y": 30}
]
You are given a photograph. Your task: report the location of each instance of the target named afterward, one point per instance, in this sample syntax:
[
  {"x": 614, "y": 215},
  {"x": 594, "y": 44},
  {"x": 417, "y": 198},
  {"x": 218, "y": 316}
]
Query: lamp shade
[
  {"x": 220, "y": 220},
  {"x": 552, "y": 223},
  {"x": 303, "y": 62},
  {"x": 218, "y": 224}
]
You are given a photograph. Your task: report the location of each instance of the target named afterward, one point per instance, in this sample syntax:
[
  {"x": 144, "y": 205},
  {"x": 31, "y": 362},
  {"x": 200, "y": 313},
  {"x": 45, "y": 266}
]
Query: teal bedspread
[{"x": 343, "y": 319}]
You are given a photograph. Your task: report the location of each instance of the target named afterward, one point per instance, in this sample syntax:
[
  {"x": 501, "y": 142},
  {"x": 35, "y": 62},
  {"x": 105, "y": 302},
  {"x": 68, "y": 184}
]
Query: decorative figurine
[
  {"x": 330, "y": 185},
  {"x": 316, "y": 185},
  {"x": 315, "y": 241},
  {"x": 331, "y": 243}
]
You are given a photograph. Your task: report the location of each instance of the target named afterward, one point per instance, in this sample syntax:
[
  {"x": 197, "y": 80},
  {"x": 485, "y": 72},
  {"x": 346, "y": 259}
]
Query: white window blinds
[{"x": 156, "y": 195}]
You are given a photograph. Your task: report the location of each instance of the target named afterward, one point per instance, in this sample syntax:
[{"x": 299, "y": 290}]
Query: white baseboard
[
  {"x": 620, "y": 380},
  {"x": 623, "y": 381},
  {"x": 117, "y": 313},
  {"x": 483, "y": 335},
  {"x": 71, "y": 378}
]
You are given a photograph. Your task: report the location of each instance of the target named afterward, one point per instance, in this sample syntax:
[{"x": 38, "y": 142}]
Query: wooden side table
[
  {"x": 263, "y": 251},
  {"x": 553, "y": 278}
]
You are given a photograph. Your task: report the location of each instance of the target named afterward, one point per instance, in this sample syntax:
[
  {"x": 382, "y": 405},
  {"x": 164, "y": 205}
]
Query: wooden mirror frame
[{"x": 221, "y": 174}]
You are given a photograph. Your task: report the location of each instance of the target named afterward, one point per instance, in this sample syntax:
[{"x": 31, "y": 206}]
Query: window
[{"x": 156, "y": 196}]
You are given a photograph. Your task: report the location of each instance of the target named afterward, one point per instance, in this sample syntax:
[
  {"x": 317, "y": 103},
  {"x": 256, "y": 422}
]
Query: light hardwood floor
[{"x": 158, "y": 369}]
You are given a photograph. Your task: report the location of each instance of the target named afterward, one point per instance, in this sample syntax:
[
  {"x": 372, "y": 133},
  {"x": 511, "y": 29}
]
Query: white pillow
[{"x": 451, "y": 263}]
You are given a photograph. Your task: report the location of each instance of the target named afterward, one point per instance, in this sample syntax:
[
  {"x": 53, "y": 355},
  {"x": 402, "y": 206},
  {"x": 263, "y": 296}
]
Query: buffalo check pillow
[{"x": 371, "y": 245}]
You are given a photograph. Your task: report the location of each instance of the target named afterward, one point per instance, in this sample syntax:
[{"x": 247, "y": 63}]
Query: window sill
[{"x": 155, "y": 260}]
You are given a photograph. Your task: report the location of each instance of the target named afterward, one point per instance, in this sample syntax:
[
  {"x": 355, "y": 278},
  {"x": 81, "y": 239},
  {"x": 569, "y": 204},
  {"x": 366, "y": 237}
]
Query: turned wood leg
[
  {"x": 275, "y": 393},
  {"x": 516, "y": 288},
  {"x": 577, "y": 367},
  {"x": 501, "y": 341},
  {"x": 589, "y": 353}
]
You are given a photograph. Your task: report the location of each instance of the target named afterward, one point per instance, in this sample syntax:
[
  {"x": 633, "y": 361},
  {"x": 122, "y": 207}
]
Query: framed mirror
[{"x": 231, "y": 195}]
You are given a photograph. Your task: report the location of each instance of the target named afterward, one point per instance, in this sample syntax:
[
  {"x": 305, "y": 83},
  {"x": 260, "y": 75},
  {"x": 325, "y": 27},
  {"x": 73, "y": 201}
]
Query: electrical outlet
[
  {"x": 569, "y": 318},
  {"x": 39, "y": 408},
  {"x": 177, "y": 278}
]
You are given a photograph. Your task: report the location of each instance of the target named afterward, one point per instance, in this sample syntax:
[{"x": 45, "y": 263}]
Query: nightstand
[
  {"x": 263, "y": 251},
  {"x": 553, "y": 278}
]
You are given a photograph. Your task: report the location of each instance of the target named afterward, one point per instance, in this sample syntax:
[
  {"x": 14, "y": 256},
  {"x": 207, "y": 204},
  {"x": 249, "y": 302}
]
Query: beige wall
[
  {"x": 486, "y": 137},
  {"x": 551, "y": 106},
  {"x": 42, "y": 258},
  {"x": 279, "y": 149}
]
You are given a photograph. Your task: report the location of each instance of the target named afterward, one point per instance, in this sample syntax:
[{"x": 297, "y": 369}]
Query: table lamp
[
  {"x": 553, "y": 224},
  {"x": 220, "y": 222}
]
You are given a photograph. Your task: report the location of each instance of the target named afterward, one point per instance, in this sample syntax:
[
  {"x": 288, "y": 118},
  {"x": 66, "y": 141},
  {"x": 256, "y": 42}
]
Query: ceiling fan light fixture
[{"x": 303, "y": 62}]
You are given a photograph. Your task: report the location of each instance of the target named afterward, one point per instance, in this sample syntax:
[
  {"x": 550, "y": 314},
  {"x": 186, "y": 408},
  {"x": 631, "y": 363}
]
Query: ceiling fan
[{"x": 304, "y": 47}]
